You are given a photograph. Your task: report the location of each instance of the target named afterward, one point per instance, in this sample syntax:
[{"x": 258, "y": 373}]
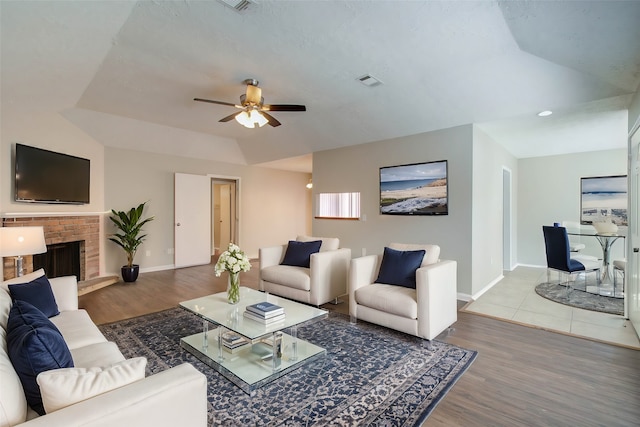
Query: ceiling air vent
[
  {"x": 369, "y": 80},
  {"x": 239, "y": 5}
]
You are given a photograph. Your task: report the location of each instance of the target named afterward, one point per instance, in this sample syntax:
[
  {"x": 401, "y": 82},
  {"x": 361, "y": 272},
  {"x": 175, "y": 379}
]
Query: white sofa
[
  {"x": 173, "y": 397},
  {"x": 325, "y": 279},
  {"x": 425, "y": 311}
]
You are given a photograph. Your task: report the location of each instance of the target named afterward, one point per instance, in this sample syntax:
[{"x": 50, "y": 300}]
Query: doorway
[
  {"x": 206, "y": 210},
  {"x": 223, "y": 218}
]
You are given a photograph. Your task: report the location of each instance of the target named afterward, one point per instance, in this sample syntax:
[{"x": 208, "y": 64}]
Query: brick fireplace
[{"x": 84, "y": 229}]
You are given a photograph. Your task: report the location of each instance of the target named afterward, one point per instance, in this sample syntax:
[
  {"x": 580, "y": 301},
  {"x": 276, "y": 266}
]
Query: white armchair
[
  {"x": 424, "y": 312},
  {"x": 325, "y": 279}
]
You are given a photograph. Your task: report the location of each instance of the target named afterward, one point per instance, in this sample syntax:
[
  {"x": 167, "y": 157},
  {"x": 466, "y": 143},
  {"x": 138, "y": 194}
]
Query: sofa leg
[
  {"x": 336, "y": 301},
  {"x": 353, "y": 320}
]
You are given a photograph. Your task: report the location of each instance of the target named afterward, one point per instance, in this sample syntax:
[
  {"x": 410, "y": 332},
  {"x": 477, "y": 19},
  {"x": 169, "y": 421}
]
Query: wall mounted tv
[
  {"x": 416, "y": 189},
  {"x": 43, "y": 176}
]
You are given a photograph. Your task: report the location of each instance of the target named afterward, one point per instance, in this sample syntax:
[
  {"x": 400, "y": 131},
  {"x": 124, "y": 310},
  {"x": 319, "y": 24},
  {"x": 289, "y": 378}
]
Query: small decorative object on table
[
  {"x": 234, "y": 261},
  {"x": 605, "y": 227},
  {"x": 265, "y": 313}
]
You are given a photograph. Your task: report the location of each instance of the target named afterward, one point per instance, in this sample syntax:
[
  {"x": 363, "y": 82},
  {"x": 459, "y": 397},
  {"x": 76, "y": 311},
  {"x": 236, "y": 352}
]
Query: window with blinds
[{"x": 338, "y": 205}]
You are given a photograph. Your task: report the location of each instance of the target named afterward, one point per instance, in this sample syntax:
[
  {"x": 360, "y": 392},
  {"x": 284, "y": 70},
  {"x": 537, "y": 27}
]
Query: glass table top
[{"x": 216, "y": 309}]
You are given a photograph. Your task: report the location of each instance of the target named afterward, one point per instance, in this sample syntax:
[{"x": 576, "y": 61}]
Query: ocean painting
[
  {"x": 416, "y": 189},
  {"x": 604, "y": 198}
]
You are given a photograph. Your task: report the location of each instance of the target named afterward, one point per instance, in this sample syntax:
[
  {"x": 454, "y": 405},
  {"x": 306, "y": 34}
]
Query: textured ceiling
[{"x": 126, "y": 72}]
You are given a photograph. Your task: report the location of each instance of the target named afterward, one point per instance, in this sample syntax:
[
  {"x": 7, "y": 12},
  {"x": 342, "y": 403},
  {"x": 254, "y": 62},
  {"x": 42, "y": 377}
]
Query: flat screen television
[
  {"x": 415, "y": 189},
  {"x": 43, "y": 176}
]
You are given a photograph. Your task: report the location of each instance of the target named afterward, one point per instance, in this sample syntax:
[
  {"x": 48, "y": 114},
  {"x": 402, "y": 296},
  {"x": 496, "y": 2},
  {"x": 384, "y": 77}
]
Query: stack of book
[
  {"x": 265, "y": 313},
  {"x": 233, "y": 342}
]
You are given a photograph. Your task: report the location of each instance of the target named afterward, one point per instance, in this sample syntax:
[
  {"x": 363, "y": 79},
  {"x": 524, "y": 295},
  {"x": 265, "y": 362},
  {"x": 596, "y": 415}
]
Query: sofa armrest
[
  {"x": 363, "y": 271},
  {"x": 329, "y": 272},
  {"x": 175, "y": 397},
  {"x": 65, "y": 291},
  {"x": 436, "y": 292}
]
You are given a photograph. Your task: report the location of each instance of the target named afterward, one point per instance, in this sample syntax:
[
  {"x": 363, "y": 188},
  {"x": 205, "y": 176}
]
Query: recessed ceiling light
[{"x": 545, "y": 113}]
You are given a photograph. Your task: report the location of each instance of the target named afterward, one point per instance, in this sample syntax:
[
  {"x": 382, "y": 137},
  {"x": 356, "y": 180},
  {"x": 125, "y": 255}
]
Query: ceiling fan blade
[
  {"x": 218, "y": 102},
  {"x": 283, "y": 107},
  {"x": 229, "y": 117},
  {"x": 272, "y": 120}
]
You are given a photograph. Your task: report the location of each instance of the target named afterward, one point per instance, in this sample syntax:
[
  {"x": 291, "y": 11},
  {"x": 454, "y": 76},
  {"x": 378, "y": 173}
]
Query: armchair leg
[
  {"x": 427, "y": 344},
  {"x": 353, "y": 320}
]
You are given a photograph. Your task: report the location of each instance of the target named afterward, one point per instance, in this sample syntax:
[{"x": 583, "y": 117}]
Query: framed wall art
[
  {"x": 603, "y": 198},
  {"x": 415, "y": 189}
]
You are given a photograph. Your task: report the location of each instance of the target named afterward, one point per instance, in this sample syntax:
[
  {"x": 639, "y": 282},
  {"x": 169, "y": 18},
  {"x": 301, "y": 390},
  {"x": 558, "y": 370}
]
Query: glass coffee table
[{"x": 265, "y": 352}]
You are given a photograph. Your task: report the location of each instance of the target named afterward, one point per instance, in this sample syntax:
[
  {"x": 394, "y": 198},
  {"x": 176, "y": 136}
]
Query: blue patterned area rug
[{"x": 371, "y": 376}]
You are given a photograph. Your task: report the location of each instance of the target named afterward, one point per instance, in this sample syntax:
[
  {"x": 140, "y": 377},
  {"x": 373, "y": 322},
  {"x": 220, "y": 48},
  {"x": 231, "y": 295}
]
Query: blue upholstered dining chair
[{"x": 557, "y": 246}]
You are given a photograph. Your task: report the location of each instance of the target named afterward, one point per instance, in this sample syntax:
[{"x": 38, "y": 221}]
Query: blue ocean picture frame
[
  {"x": 604, "y": 198},
  {"x": 415, "y": 189}
]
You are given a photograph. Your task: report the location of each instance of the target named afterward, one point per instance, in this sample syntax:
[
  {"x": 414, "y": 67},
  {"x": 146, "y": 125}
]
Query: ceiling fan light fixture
[
  {"x": 243, "y": 119},
  {"x": 257, "y": 118},
  {"x": 251, "y": 119}
]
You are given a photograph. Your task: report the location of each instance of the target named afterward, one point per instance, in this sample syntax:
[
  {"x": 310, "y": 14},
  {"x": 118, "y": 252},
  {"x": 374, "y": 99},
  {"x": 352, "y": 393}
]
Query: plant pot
[{"x": 130, "y": 274}]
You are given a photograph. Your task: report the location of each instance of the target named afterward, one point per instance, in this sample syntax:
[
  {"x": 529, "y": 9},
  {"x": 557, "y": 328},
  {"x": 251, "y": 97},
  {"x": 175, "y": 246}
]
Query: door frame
[
  {"x": 215, "y": 178},
  {"x": 632, "y": 273}
]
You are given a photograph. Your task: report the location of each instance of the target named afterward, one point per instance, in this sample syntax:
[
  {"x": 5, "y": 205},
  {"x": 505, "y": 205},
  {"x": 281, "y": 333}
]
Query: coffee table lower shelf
[{"x": 246, "y": 369}]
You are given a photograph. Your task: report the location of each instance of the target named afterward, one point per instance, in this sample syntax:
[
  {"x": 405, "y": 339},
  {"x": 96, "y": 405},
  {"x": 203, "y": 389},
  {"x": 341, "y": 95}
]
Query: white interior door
[{"x": 192, "y": 226}]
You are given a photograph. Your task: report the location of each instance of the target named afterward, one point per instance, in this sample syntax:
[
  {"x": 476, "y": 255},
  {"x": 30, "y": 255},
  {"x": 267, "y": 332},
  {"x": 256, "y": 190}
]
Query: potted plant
[{"x": 129, "y": 237}]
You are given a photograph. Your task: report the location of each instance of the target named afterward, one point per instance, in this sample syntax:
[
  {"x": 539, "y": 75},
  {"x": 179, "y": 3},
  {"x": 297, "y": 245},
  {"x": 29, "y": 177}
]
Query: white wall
[
  {"x": 489, "y": 159},
  {"x": 549, "y": 191},
  {"x": 274, "y": 204},
  {"x": 356, "y": 168}
]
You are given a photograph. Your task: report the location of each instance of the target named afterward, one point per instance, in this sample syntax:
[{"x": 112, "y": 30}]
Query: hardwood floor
[{"x": 521, "y": 377}]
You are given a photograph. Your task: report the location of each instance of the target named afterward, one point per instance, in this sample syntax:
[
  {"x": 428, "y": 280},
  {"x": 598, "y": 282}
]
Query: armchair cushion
[
  {"x": 399, "y": 267},
  {"x": 63, "y": 387},
  {"x": 298, "y": 254},
  {"x": 286, "y": 275},
  {"x": 38, "y": 293},
  {"x": 35, "y": 345},
  {"x": 389, "y": 299}
]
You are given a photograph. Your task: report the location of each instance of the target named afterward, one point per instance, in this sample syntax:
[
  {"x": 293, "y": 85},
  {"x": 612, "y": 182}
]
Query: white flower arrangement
[{"x": 232, "y": 260}]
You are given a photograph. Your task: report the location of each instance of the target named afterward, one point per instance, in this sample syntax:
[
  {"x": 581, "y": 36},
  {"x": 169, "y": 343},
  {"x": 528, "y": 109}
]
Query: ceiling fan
[{"x": 253, "y": 109}]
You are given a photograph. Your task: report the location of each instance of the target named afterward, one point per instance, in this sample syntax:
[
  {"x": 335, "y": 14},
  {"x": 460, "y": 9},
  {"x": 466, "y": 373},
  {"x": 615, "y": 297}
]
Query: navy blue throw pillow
[
  {"x": 298, "y": 254},
  {"x": 38, "y": 293},
  {"x": 399, "y": 267},
  {"x": 34, "y": 345}
]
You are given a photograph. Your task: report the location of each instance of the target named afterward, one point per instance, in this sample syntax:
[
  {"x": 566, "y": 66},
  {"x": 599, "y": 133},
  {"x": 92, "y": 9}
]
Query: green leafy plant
[{"x": 129, "y": 225}]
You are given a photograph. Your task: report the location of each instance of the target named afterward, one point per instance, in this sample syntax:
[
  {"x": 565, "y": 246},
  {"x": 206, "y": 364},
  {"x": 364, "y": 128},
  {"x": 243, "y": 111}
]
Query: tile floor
[{"x": 514, "y": 298}]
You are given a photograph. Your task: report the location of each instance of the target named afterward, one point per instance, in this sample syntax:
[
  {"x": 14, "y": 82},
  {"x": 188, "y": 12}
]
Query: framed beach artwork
[
  {"x": 603, "y": 198},
  {"x": 415, "y": 189}
]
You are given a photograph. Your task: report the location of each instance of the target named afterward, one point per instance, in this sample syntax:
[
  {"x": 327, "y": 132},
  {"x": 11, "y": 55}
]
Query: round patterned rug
[{"x": 580, "y": 299}]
